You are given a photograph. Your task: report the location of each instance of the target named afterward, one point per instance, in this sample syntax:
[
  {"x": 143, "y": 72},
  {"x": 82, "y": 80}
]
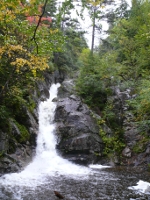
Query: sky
[{"x": 86, "y": 24}]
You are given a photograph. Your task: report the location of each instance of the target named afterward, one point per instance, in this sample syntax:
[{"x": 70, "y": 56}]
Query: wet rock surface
[{"x": 77, "y": 131}]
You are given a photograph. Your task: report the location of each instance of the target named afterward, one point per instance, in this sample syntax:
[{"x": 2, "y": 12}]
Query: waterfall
[
  {"x": 46, "y": 162},
  {"x": 48, "y": 171}
]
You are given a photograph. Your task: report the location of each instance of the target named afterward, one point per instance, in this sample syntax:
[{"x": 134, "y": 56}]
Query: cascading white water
[{"x": 46, "y": 162}]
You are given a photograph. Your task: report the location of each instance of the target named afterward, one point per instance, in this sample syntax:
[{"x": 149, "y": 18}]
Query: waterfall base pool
[{"x": 99, "y": 184}]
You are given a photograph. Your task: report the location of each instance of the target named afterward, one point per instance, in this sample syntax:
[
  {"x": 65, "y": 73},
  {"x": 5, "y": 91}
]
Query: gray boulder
[
  {"x": 3, "y": 141},
  {"x": 77, "y": 131}
]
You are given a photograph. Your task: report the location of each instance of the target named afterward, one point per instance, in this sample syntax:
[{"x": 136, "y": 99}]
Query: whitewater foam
[{"x": 142, "y": 186}]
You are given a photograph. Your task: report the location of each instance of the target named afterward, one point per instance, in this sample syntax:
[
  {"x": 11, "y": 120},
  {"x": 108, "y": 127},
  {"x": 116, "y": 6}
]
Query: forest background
[{"x": 38, "y": 36}]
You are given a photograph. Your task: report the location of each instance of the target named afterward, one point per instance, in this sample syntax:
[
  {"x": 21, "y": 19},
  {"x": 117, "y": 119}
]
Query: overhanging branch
[{"x": 39, "y": 21}]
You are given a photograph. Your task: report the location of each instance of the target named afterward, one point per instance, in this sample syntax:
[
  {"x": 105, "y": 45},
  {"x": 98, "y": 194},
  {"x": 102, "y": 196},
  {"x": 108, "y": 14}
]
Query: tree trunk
[{"x": 93, "y": 32}]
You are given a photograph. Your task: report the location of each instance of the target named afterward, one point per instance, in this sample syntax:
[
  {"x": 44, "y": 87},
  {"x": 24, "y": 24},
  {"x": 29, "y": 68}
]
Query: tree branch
[{"x": 39, "y": 21}]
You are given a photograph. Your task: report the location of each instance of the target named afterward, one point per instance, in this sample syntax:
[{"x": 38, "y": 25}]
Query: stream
[{"x": 48, "y": 172}]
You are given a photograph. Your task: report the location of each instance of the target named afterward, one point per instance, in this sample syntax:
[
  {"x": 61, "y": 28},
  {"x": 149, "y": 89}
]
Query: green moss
[
  {"x": 140, "y": 146},
  {"x": 24, "y": 134},
  {"x": 31, "y": 104},
  {"x": 97, "y": 154},
  {"x": 149, "y": 167},
  {"x": 1, "y": 153}
]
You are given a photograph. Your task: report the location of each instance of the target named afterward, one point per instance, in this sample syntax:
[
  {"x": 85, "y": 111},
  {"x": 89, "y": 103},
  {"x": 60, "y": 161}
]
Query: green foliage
[
  {"x": 148, "y": 166},
  {"x": 110, "y": 116},
  {"x": 24, "y": 136},
  {"x": 67, "y": 61},
  {"x": 17, "y": 95},
  {"x": 140, "y": 105},
  {"x": 3, "y": 113},
  {"x": 26, "y": 50},
  {"x": 130, "y": 37},
  {"x": 1, "y": 153},
  {"x": 140, "y": 146},
  {"x": 113, "y": 143},
  {"x": 128, "y": 48},
  {"x": 89, "y": 84},
  {"x": 121, "y": 60}
]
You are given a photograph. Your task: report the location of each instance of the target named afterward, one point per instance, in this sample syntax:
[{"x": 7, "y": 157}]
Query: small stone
[{"x": 126, "y": 152}]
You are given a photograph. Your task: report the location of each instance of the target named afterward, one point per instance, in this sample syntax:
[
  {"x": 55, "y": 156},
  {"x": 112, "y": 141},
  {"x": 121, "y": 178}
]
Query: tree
[
  {"x": 94, "y": 12},
  {"x": 26, "y": 50},
  {"x": 122, "y": 60},
  {"x": 67, "y": 61}
]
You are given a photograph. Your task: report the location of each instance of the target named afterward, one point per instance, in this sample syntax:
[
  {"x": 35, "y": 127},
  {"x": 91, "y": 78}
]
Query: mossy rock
[
  {"x": 20, "y": 133},
  {"x": 24, "y": 134}
]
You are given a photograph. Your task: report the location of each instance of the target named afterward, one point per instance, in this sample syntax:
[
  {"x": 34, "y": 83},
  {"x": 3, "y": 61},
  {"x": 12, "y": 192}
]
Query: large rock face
[
  {"x": 77, "y": 131},
  {"x": 137, "y": 146},
  {"x": 137, "y": 150}
]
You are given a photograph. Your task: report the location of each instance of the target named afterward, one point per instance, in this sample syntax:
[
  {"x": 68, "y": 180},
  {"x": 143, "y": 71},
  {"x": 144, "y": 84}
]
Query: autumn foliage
[
  {"x": 26, "y": 51},
  {"x": 44, "y": 20}
]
